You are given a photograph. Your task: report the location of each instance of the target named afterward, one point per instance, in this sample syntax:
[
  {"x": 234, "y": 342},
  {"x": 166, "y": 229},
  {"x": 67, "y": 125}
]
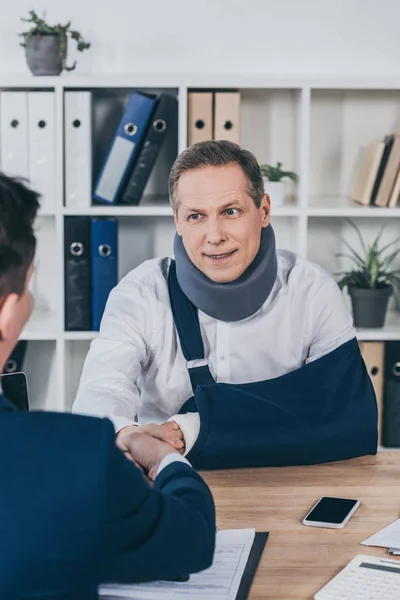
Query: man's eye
[
  {"x": 193, "y": 217},
  {"x": 231, "y": 211}
]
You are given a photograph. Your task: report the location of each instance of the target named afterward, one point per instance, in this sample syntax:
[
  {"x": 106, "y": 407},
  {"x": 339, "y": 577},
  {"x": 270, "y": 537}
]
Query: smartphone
[
  {"x": 331, "y": 512},
  {"x": 15, "y": 389}
]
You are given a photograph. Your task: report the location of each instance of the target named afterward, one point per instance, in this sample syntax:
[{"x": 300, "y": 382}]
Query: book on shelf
[
  {"x": 377, "y": 180},
  {"x": 367, "y": 172},
  {"x": 91, "y": 269},
  {"x": 200, "y": 117},
  {"x": 388, "y": 141},
  {"x": 389, "y": 174},
  {"x": 227, "y": 116},
  {"x": 213, "y": 115},
  {"x": 137, "y": 141},
  {"x": 160, "y": 123},
  {"x": 395, "y": 195},
  {"x": 373, "y": 354},
  {"x": 124, "y": 148}
]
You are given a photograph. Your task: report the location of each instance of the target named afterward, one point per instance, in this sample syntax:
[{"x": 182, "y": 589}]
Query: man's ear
[
  {"x": 7, "y": 315},
  {"x": 178, "y": 229},
  {"x": 265, "y": 208}
]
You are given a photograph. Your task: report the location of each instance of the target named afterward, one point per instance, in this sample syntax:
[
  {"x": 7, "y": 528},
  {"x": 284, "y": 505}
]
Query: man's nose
[{"x": 215, "y": 232}]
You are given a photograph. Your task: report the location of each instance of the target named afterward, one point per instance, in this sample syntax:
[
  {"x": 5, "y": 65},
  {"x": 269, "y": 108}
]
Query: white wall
[{"x": 288, "y": 37}]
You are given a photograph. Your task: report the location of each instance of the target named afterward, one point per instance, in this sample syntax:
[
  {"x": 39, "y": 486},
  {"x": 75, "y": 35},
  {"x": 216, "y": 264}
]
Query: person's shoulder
[
  {"x": 150, "y": 273},
  {"x": 65, "y": 420},
  {"x": 297, "y": 270},
  {"x": 63, "y": 430},
  {"x": 150, "y": 270}
]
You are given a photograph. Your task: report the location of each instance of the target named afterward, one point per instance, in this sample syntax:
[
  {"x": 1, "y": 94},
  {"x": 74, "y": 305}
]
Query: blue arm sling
[{"x": 324, "y": 411}]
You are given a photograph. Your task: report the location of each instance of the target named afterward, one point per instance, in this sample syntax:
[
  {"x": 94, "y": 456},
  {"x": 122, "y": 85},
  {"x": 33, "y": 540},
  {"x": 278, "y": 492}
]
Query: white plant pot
[{"x": 276, "y": 191}]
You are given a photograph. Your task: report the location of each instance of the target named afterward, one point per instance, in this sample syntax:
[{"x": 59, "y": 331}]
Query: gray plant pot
[
  {"x": 43, "y": 54},
  {"x": 369, "y": 305}
]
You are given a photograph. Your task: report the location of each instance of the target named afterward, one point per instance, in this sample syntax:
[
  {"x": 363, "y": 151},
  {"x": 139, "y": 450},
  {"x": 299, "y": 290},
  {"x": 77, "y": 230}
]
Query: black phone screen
[{"x": 331, "y": 510}]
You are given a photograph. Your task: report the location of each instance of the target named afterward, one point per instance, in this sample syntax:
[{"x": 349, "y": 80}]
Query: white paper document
[
  {"x": 388, "y": 537},
  {"x": 219, "y": 582}
]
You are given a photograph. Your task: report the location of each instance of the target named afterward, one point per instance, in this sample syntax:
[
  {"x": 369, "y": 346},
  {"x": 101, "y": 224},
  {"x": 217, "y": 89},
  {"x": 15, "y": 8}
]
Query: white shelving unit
[{"x": 316, "y": 127}]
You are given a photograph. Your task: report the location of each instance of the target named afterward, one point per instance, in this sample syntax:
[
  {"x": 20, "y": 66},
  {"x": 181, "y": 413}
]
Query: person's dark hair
[
  {"x": 18, "y": 209},
  {"x": 215, "y": 153}
]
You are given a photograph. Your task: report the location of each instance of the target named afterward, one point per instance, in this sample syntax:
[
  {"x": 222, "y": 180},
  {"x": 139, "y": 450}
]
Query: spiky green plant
[
  {"x": 276, "y": 173},
  {"x": 373, "y": 267},
  {"x": 39, "y": 26}
]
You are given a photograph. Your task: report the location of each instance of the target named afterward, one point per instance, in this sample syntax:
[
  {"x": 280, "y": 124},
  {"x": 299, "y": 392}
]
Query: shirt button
[{"x": 223, "y": 357}]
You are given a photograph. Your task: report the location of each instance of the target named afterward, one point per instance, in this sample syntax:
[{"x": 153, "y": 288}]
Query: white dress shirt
[{"x": 135, "y": 370}]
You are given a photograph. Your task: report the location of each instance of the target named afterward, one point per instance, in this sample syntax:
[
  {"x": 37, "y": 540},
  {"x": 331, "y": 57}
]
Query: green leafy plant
[
  {"x": 373, "y": 267},
  {"x": 39, "y": 27},
  {"x": 276, "y": 173}
]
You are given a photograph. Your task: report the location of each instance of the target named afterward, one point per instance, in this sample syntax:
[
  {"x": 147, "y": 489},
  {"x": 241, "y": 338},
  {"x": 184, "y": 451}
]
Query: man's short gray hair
[{"x": 215, "y": 153}]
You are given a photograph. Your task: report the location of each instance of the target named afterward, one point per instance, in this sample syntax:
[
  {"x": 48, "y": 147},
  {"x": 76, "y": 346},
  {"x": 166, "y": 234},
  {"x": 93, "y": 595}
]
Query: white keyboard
[{"x": 364, "y": 578}]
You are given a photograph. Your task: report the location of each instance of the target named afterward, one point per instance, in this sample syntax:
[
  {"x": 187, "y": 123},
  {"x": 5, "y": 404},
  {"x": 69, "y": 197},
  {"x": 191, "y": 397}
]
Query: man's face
[
  {"x": 219, "y": 223},
  {"x": 14, "y": 313}
]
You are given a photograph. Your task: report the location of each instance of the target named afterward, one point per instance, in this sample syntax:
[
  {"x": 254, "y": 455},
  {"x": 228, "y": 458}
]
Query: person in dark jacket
[{"x": 74, "y": 510}]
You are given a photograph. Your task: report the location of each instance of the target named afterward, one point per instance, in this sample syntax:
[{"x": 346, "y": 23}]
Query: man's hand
[
  {"x": 173, "y": 431},
  {"x": 145, "y": 451},
  {"x": 168, "y": 432}
]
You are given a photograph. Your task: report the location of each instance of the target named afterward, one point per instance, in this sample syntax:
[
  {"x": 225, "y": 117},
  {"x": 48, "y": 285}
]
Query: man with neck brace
[{"x": 263, "y": 313}]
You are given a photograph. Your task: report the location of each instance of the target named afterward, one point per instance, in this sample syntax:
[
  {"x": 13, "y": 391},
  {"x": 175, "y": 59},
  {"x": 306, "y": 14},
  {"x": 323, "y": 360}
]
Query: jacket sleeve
[{"x": 157, "y": 532}]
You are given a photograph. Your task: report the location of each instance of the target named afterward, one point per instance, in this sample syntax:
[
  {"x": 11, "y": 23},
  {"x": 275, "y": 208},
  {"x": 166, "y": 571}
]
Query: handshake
[{"x": 147, "y": 445}]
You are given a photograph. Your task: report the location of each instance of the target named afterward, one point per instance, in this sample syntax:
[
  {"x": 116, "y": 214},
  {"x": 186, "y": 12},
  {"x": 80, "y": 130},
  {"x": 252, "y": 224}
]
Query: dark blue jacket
[{"x": 74, "y": 512}]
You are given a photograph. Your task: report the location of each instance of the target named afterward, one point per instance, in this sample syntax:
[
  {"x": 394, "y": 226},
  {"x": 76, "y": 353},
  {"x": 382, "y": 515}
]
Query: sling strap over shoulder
[{"x": 188, "y": 327}]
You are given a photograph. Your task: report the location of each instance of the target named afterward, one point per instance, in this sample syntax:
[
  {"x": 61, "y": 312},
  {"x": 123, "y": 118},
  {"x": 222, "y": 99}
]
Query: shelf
[
  {"x": 196, "y": 80},
  {"x": 151, "y": 206},
  {"x": 334, "y": 207},
  {"x": 121, "y": 211},
  {"x": 340, "y": 206},
  {"x": 288, "y": 209},
  {"x": 29, "y": 81},
  {"x": 42, "y": 325},
  {"x": 156, "y": 211},
  {"x": 76, "y": 336},
  {"x": 316, "y": 125},
  {"x": 46, "y": 213},
  {"x": 158, "y": 206},
  {"x": 391, "y": 330}
]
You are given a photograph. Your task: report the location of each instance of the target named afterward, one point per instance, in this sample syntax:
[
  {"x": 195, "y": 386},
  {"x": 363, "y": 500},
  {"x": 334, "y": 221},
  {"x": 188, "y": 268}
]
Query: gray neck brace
[{"x": 235, "y": 300}]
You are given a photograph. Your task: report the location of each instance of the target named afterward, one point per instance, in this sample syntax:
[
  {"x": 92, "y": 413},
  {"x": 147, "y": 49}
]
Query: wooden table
[{"x": 298, "y": 560}]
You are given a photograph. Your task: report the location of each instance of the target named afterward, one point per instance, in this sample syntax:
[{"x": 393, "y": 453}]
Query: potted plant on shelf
[
  {"x": 370, "y": 283},
  {"x": 46, "y": 45},
  {"x": 273, "y": 184}
]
